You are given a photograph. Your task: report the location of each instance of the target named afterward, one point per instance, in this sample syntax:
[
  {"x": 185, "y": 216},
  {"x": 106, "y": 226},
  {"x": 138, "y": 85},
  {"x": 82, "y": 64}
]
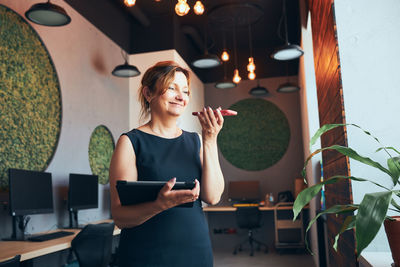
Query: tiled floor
[{"x": 271, "y": 259}]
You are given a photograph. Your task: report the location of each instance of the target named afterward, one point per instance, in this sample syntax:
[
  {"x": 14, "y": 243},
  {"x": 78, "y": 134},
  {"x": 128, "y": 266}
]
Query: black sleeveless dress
[{"x": 177, "y": 237}]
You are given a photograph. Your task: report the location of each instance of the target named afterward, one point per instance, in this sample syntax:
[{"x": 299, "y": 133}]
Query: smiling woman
[{"x": 160, "y": 232}]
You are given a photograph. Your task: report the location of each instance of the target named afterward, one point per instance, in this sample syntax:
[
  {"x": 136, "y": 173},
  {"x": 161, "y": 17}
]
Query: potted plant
[{"x": 374, "y": 207}]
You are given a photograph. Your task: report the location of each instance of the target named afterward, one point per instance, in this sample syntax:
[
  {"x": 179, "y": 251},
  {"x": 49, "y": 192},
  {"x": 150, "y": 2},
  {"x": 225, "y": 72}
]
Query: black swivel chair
[
  {"x": 14, "y": 262},
  {"x": 92, "y": 246},
  {"x": 249, "y": 218}
]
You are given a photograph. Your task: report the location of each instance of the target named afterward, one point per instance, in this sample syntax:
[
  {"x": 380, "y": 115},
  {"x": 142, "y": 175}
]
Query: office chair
[
  {"x": 14, "y": 262},
  {"x": 249, "y": 218},
  {"x": 92, "y": 245}
]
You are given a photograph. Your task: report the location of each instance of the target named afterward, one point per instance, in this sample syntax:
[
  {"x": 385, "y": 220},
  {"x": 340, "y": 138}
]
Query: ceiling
[{"x": 153, "y": 26}]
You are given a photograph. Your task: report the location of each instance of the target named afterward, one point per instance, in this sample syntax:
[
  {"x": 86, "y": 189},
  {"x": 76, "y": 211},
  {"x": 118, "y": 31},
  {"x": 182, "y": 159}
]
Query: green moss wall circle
[
  {"x": 257, "y": 137},
  {"x": 30, "y": 99},
  {"x": 101, "y": 148}
]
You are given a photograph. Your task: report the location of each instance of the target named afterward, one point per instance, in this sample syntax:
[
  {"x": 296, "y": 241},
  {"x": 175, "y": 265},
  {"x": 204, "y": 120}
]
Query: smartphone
[{"x": 224, "y": 112}]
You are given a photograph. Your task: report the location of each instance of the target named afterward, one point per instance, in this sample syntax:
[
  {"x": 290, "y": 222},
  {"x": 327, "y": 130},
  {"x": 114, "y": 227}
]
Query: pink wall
[{"x": 279, "y": 177}]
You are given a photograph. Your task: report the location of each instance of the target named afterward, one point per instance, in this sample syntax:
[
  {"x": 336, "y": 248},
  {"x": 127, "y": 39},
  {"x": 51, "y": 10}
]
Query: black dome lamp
[
  {"x": 259, "y": 90},
  {"x": 288, "y": 87},
  {"x": 225, "y": 83},
  {"x": 48, "y": 14},
  {"x": 288, "y": 51},
  {"x": 206, "y": 61},
  {"x": 125, "y": 70}
]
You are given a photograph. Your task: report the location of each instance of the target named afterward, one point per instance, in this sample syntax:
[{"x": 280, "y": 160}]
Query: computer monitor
[
  {"x": 31, "y": 192},
  {"x": 244, "y": 191},
  {"x": 82, "y": 194}
]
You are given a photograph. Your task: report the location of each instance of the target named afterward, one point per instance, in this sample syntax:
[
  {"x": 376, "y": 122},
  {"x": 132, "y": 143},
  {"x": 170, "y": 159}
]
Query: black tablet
[{"x": 144, "y": 191}]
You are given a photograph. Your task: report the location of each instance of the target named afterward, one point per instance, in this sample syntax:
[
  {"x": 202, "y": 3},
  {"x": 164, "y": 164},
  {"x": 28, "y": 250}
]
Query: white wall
[
  {"x": 144, "y": 61},
  {"x": 369, "y": 36},
  {"x": 83, "y": 58},
  {"x": 309, "y": 115}
]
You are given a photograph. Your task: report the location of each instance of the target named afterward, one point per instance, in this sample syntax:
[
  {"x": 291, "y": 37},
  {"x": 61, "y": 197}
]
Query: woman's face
[{"x": 175, "y": 99}]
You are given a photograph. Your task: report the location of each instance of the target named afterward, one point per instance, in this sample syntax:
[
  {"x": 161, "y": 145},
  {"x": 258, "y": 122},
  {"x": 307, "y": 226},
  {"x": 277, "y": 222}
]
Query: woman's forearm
[
  {"x": 134, "y": 215},
  {"x": 212, "y": 184}
]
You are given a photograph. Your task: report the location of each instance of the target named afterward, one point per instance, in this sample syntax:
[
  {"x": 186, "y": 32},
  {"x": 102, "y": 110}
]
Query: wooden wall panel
[{"x": 331, "y": 110}]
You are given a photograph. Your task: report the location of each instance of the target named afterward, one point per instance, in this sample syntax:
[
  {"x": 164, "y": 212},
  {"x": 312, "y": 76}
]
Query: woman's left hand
[{"x": 211, "y": 123}]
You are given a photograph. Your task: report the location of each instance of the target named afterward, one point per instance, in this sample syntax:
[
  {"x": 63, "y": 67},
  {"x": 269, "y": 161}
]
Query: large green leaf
[
  {"x": 394, "y": 203},
  {"x": 347, "y": 151},
  {"x": 394, "y": 167},
  {"x": 349, "y": 223},
  {"x": 388, "y": 148},
  {"x": 371, "y": 213},
  {"x": 309, "y": 193},
  {"x": 325, "y": 128},
  {"x": 337, "y": 209}
]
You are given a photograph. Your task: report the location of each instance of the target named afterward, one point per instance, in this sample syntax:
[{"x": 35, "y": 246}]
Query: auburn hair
[{"x": 157, "y": 79}]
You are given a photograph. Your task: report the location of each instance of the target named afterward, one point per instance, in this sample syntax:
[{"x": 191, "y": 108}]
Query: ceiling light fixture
[
  {"x": 288, "y": 87},
  {"x": 48, "y": 14},
  {"x": 225, "y": 83},
  {"x": 182, "y": 8},
  {"x": 198, "y": 8},
  {"x": 207, "y": 60},
  {"x": 224, "y": 55},
  {"x": 259, "y": 90},
  {"x": 129, "y": 3},
  {"x": 236, "y": 76},
  {"x": 125, "y": 70},
  {"x": 251, "y": 67},
  {"x": 288, "y": 51}
]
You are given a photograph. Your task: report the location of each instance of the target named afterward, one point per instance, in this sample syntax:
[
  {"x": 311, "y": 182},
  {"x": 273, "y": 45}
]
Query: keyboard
[{"x": 50, "y": 236}]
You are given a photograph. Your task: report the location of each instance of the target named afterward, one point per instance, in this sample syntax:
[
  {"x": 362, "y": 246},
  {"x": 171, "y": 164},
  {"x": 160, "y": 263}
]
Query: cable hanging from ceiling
[{"x": 288, "y": 51}]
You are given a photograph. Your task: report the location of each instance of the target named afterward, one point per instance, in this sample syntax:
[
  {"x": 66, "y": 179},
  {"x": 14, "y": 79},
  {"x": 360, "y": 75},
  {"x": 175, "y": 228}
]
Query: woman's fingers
[
  {"x": 171, "y": 198},
  {"x": 211, "y": 117},
  {"x": 168, "y": 186},
  {"x": 220, "y": 120}
]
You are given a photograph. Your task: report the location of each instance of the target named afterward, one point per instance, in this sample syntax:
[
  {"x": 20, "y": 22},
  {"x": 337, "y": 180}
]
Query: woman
[{"x": 158, "y": 233}]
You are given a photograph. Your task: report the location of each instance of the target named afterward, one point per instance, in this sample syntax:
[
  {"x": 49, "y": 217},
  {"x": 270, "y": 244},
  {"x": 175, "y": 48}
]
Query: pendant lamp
[
  {"x": 225, "y": 83},
  {"x": 288, "y": 51},
  {"x": 47, "y": 14},
  {"x": 259, "y": 90},
  {"x": 206, "y": 61},
  {"x": 125, "y": 70},
  {"x": 288, "y": 87}
]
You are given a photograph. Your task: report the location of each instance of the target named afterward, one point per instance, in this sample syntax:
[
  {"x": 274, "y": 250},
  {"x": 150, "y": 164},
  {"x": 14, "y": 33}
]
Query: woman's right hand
[{"x": 168, "y": 198}]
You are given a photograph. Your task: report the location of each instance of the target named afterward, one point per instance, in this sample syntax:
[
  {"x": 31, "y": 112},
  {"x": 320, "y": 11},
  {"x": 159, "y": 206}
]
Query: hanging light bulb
[
  {"x": 236, "y": 77},
  {"x": 129, "y": 3},
  {"x": 182, "y": 8},
  {"x": 251, "y": 67},
  {"x": 251, "y": 75},
  {"x": 225, "y": 56},
  {"x": 198, "y": 8}
]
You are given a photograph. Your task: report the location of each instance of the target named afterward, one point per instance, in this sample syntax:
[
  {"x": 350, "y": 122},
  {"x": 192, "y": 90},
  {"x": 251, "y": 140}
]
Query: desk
[
  {"x": 29, "y": 250},
  {"x": 284, "y": 228},
  {"x": 231, "y": 208}
]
